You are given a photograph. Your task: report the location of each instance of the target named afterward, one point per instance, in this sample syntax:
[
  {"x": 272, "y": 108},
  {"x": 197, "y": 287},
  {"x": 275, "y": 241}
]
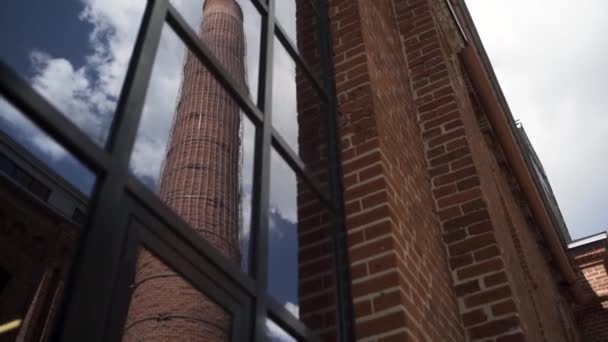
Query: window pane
[
  {"x": 75, "y": 53},
  {"x": 301, "y": 23},
  {"x": 41, "y": 185},
  {"x": 224, "y": 33},
  {"x": 195, "y": 147},
  {"x": 166, "y": 307},
  {"x": 275, "y": 333},
  {"x": 301, "y": 274},
  {"x": 298, "y": 114}
]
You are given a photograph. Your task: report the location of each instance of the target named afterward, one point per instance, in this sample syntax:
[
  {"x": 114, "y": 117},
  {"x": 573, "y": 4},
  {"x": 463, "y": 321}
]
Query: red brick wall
[
  {"x": 431, "y": 200},
  {"x": 592, "y": 317},
  {"x": 484, "y": 290},
  {"x": 316, "y": 269},
  {"x": 401, "y": 285},
  {"x": 493, "y": 251},
  {"x": 527, "y": 258}
]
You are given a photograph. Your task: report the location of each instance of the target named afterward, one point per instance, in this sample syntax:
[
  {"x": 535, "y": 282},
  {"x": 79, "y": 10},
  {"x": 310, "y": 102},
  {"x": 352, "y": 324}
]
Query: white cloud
[
  {"x": 293, "y": 308},
  {"x": 275, "y": 332},
  {"x": 71, "y": 92},
  {"x": 549, "y": 60},
  {"x": 88, "y": 93},
  {"x": 25, "y": 127}
]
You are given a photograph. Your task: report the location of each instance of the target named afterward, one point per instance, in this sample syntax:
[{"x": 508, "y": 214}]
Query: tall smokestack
[{"x": 201, "y": 183}]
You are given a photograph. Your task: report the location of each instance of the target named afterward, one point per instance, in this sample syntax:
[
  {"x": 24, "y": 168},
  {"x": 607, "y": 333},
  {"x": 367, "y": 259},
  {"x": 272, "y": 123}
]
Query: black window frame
[{"x": 123, "y": 215}]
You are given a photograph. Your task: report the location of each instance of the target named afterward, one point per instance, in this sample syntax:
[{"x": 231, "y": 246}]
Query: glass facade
[{"x": 182, "y": 180}]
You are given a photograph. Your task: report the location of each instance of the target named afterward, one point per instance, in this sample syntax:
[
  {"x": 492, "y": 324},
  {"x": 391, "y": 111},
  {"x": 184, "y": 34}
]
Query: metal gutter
[
  {"x": 484, "y": 81},
  {"x": 588, "y": 239}
]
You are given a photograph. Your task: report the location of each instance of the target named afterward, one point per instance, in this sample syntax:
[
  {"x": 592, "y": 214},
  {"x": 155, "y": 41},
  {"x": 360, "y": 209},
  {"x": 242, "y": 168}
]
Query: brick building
[
  {"x": 453, "y": 231},
  {"x": 590, "y": 257},
  {"x": 40, "y": 215}
]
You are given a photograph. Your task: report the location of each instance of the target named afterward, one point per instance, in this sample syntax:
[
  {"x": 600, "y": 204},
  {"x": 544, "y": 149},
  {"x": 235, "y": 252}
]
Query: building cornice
[{"x": 481, "y": 73}]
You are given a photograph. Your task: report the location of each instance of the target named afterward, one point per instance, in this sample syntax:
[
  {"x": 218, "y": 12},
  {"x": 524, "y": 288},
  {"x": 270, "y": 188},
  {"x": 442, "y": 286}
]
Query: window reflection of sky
[
  {"x": 283, "y": 244},
  {"x": 76, "y": 54}
]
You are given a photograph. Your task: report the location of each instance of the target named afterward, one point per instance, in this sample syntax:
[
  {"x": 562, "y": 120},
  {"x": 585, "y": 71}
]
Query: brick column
[
  {"x": 482, "y": 257},
  {"x": 401, "y": 286}
]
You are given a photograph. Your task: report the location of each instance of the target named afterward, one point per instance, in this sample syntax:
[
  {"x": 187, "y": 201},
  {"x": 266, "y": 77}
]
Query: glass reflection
[
  {"x": 43, "y": 203},
  {"x": 300, "y": 266},
  {"x": 246, "y": 18},
  {"x": 298, "y": 114},
  {"x": 75, "y": 53},
  {"x": 204, "y": 173},
  {"x": 166, "y": 307},
  {"x": 275, "y": 333},
  {"x": 300, "y": 22}
]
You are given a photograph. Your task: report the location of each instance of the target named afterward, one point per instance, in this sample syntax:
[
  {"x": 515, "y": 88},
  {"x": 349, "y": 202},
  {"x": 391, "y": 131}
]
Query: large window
[{"x": 177, "y": 173}]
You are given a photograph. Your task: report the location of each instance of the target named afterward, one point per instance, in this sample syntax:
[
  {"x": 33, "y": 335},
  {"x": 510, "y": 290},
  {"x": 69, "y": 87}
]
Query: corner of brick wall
[
  {"x": 401, "y": 285},
  {"x": 592, "y": 316},
  {"x": 481, "y": 221},
  {"x": 441, "y": 247}
]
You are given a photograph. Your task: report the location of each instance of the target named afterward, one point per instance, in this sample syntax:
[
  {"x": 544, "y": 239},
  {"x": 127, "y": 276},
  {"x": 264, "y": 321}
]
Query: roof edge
[
  {"x": 588, "y": 240},
  {"x": 477, "y": 63}
]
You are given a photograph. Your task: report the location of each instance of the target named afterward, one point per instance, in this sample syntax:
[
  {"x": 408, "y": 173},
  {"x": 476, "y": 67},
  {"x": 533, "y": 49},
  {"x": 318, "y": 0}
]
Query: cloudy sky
[{"x": 550, "y": 59}]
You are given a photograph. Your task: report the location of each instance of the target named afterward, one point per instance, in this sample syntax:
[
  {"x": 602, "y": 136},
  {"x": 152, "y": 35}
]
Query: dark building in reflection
[{"x": 40, "y": 216}]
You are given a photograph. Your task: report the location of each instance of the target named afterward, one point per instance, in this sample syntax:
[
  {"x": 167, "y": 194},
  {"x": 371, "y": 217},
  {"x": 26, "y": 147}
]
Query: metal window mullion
[
  {"x": 293, "y": 52},
  {"x": 207, "y": 278},
  {"x": 315, "y": 5},
  {"x": 212, "y": 64},
  {"x": 50, "y": 120},
  {"x": 121, "y": 299},
  {"x": 261, "y": 179},
  {"x": 286, "y": 320},
  {"x": 261, "y": 6},
  {"x": 152, "y": 204},
  {"x": 339, "y": 237},
  {"x": 96, "y": 264},
  {"x": 297, "y": 165},
  {"x": 188, "y": 264}
]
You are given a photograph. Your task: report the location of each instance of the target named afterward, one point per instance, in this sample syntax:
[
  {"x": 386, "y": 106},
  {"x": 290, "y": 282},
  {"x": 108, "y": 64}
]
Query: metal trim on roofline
[{"x": 588, "y": 239}]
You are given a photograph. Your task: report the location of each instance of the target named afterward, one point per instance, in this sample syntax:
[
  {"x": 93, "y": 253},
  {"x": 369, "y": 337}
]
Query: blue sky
[
  {"x": 25, "y": 26},
  {"x": 29, "y": 24}
]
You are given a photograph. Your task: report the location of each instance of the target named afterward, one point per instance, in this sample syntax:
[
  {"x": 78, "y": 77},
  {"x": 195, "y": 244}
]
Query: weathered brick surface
[
  {"x": 401, "y": 286},
  {"x": 490, "y": 237},
  {"x": 457, "y": 192},
  {"x": 442, "y": 244},
  {"x": 592, "y": 317}
]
